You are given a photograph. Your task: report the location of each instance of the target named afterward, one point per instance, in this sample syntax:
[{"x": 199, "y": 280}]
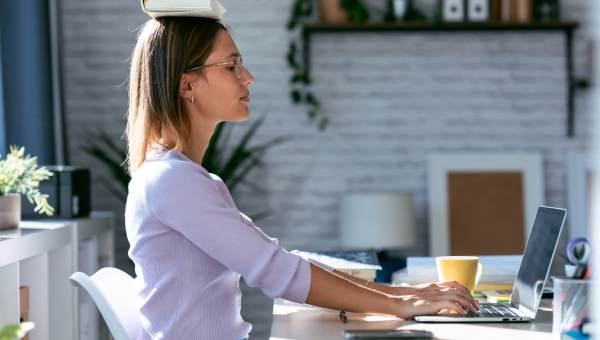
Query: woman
[{"x": 189, "y": 243}]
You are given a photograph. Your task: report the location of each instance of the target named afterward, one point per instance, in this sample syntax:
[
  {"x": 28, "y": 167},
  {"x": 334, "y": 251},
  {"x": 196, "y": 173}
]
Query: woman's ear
[{"x": 185, "y": 86}]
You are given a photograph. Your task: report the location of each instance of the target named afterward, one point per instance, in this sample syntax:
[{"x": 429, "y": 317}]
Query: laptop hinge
[{"x": 524, "y": 311}]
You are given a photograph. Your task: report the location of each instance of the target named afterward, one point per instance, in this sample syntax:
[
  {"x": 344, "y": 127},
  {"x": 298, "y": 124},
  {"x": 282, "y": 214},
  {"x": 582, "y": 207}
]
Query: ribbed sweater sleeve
[{"x": 183, "y": 197}]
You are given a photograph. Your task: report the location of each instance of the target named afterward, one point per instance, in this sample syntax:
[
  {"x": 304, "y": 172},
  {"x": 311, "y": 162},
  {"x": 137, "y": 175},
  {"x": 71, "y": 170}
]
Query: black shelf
[
  {"x": 443, "y": 27},
  {"x": 567, "y": 27}
]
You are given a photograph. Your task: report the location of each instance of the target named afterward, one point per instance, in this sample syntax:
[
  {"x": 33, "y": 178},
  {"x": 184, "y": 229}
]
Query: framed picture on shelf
[
  {"x": 482, "y": 204},
  {"x": 581, "y": 174},
  {"x": 453, "y": 10},
  {"x": 478, "y": 10}
]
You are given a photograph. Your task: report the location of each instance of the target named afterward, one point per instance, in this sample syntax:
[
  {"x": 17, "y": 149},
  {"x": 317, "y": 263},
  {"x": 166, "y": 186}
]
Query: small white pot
[{"x": 10, "y": 211}]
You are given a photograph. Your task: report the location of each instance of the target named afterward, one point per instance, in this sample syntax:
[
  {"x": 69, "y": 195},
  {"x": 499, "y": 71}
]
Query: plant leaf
[
  {"x": 296, "y": 96},
  {"x": 239, "y": 154},
  {"x": 211, "y": 156}
]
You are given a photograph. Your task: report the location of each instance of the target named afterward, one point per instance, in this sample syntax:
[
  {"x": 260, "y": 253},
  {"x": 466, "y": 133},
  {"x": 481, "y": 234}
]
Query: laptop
[{"x": 533, "y": 273}]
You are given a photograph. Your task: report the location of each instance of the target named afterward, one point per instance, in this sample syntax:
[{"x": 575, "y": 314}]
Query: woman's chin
[
  {"x": 246, "y": 114},
  {"x": 242, "y": 116}
]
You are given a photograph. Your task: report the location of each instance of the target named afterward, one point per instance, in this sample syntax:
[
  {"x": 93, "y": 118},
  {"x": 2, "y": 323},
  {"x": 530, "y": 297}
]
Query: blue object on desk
[
  {"x": 574, "y": 335},
  {"x": 389, "y": 265}
]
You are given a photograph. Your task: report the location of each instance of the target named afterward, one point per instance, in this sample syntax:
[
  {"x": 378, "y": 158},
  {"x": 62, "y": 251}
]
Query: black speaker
[{"x": 68, "y": 193}]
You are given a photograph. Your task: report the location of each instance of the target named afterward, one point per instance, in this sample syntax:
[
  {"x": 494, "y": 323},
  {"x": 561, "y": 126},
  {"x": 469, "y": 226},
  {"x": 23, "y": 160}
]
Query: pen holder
[{"x": 570, "y": 304}]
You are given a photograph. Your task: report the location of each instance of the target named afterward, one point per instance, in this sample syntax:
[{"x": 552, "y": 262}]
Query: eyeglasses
[{"x": 234, "y": 66}]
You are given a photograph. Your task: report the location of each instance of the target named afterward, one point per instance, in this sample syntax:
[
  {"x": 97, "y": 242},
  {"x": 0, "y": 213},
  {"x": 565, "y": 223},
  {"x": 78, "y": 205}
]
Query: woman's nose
[{"x": 247, "y": 77}]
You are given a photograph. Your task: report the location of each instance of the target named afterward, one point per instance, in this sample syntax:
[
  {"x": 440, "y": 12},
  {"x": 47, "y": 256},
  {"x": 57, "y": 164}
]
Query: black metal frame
[{"x": 567, "y": 27}]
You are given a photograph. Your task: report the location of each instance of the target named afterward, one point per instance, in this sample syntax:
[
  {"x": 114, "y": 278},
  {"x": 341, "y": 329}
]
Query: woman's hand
[
  {"x": 433, "y": 298},
  {"x": 425, "y": 287},
  {"x": 441, "y": 286}
]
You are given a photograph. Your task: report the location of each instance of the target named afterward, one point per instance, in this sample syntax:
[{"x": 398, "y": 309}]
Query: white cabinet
[{"x": 42, "y": 255}]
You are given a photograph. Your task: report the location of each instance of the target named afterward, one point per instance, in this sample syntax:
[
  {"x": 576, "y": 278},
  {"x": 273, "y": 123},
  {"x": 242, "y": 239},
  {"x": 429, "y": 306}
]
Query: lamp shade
[{"x": 377, "y": 220}]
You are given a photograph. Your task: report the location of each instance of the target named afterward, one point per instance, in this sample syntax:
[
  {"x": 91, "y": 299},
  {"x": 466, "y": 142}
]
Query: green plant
[
  {"x": 15, "y": 331},
  {"x": 413, "y": 13},
  {"x": 357, "y": 12},
  {"x": 20, "y": 174},
  {"x": 300, "y": 81},
  {"x": 232, "y": 166}
]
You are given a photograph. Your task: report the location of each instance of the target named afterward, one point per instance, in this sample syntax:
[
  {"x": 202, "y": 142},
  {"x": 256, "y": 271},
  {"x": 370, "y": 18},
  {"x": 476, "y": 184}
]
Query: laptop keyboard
[{"x": 494, "y": 310}]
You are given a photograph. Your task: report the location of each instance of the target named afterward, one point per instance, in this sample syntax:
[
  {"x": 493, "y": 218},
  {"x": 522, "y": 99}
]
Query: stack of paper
[
  {"x": 496, "y": 271},
  {"x": 362, "y": 264},
  {"x": 197, "y": 8}
]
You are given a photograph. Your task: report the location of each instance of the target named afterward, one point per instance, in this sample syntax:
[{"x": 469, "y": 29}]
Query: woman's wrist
[
  {"x": 381, "y": 287},
  {"x": 395, "y": 306},
  {"x": 392, "y": 290}
]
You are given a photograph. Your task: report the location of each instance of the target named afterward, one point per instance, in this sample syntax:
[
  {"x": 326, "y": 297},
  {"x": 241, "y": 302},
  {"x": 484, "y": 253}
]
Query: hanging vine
[
  {"x": 300, "y": 81},
  {"x": 300, "y": 92}
]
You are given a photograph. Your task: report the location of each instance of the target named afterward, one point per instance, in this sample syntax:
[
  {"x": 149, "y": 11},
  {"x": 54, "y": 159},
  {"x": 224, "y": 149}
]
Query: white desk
[
  {"x": 299, "y": 322},
  {"x": 42, "y": 255}
]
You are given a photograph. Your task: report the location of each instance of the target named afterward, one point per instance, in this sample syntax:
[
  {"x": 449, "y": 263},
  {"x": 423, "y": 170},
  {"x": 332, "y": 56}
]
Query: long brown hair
[{"x": 165, "y": 48}]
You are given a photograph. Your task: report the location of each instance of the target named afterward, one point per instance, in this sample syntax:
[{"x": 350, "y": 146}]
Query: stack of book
[{"x": 196, "y": 8}]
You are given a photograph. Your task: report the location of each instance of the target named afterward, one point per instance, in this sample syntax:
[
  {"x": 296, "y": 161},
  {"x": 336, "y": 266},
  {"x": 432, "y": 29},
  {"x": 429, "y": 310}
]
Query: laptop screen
[{"x": 537, "y": 258}]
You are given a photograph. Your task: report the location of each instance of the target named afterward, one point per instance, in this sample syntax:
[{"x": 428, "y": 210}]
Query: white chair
[{"x": 112, "y": 291}]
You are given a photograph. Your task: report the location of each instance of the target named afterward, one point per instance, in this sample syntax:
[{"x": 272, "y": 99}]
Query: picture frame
[
  {"x": 478, "y": 10},
  {"x": 500, "y": 166},
  {"x": 581, "y": 172},
  {"x": 453, "y": 10}
]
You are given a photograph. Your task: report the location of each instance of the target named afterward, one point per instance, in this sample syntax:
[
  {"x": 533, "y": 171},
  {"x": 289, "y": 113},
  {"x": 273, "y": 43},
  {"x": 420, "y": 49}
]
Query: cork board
[{"x": 486, "y": 213}]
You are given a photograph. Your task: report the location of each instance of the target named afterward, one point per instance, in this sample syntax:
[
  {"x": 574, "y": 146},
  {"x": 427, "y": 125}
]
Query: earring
[{"x": 192, "y": 99}]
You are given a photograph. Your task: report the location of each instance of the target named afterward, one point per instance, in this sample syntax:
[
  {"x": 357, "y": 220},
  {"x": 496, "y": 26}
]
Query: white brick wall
[{"x": 392, "y": 99}]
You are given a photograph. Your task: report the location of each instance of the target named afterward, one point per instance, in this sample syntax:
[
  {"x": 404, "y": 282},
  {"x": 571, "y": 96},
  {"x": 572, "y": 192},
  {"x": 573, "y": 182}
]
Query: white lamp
[{"x": 382, "y": 220}]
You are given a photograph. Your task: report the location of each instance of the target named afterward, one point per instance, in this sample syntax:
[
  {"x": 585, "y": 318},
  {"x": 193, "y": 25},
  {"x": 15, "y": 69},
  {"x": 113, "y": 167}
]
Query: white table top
[{"x": 293, "y": 321}]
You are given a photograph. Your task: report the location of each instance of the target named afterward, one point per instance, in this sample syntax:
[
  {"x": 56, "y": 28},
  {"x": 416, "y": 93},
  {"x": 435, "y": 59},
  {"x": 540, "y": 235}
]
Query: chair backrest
[{"x": 112, "y": 292}]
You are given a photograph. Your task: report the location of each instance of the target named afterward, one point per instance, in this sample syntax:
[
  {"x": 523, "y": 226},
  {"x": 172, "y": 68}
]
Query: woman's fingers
[
  {"x": 454, "y": 284},
  {"x": 447, "y": 304},
  {"x": 462, "y": 301},
  {"x": 448, "y": 307},
  {"x": 468, "y": 297},
  {"x": 453, "y": 294}
]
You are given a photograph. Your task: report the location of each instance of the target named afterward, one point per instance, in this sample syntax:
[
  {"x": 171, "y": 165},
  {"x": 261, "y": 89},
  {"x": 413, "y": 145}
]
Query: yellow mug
[{"x": 462, "y": 269}]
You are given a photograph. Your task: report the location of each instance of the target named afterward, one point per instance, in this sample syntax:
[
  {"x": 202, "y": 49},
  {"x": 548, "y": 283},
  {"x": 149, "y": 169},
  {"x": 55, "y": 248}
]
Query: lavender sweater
[{"x": 190, "y": 245}]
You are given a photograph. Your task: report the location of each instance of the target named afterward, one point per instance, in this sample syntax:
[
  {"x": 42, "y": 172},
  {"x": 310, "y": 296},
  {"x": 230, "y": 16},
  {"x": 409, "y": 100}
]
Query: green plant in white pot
[
  {"x": 20, "y": 175},
  {"x": 16, "y": 331}
]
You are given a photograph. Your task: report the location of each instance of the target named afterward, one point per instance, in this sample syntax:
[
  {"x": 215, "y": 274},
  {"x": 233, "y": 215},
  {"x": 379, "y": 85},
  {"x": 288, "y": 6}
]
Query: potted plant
[
  {"x": 20, "y": 175},
  {"x": 230, "y": 162},
  {"x": 342, "y": 11},
  {"x": 16, "y": 331}
]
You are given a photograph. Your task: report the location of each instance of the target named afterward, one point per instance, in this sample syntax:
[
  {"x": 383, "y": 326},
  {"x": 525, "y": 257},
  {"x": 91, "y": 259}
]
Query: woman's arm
[
  {"x": 378, "y": 287},
  {"x": 333, "y": 291},
  {"x": 432, "y": 286}
]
